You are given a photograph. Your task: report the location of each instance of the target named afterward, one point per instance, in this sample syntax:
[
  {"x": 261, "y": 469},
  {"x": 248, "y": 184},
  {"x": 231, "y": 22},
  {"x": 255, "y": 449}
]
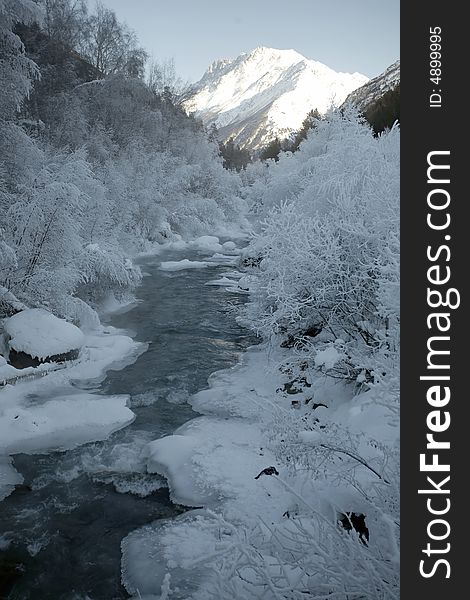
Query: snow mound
[
  {"x": 207, "y": 243},
  {"x": 230, "y": 246},
  {"x": 40, "y": 334},
  {"x": 209, "y": 459},
  {"x": 9, "y": 477},
  {"x": 328, "y": 357},
  {"x": 247, "y": 283},
  {"x": 180, "y": 265},
  {"x": 149, "y": 552},
  {"x": 63, "y": 423}
]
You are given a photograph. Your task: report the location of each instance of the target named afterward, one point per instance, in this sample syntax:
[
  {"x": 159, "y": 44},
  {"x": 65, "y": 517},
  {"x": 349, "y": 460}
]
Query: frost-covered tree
[
  {"x": 163, "y": 80},
  {"x": 111, "y": 46},
  {"x": 66, "y": 21},
  {"x": 100, "y": 164},
  {"x": 17, "y": 71},
  {"x": 330, "y": 242}
]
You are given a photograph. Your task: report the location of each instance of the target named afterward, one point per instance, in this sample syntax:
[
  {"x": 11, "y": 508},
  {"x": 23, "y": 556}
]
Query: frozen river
[{"x": 68, "y": 520}]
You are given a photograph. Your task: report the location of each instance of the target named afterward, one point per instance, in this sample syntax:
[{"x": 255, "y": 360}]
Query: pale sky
[{"x": 346, "y": 35}]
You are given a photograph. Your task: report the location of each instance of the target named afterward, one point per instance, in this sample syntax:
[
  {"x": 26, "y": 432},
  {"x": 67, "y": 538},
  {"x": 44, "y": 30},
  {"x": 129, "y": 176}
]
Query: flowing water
[{"x": 67, "y": 522}]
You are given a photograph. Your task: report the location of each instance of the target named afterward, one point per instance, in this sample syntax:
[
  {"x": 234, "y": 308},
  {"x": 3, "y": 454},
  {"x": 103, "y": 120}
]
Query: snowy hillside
[
  {"x": 267, "y": 93},
  {"x": 374, "y": 89}
]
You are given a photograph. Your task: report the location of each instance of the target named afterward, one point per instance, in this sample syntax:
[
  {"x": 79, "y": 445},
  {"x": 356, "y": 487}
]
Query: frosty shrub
[
  {"x": 17, "y": 71},
  {"x": 330, "y": 244}
]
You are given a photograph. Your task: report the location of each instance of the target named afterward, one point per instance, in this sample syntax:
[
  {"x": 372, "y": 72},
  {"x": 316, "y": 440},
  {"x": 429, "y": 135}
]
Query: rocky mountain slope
[{"x": 374, "y": 89}]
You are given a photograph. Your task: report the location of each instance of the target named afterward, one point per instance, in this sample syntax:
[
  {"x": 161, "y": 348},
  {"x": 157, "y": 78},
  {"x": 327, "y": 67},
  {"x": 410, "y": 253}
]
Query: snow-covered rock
[
  {"x": 37, "y": 334},
  {"x": 267, "y": 93},
  {"x": 206, "y": 243}
]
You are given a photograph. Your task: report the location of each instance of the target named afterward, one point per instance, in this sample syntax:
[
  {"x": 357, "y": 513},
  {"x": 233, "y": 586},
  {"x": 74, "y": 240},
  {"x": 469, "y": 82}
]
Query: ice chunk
[
  {"x": 223, "y": 282},
  {"x": 61, "y": 424},
  {"x": 40, "y": 334},
  {"x": 208, "y": 459},
  {"x": 179, "y": 265},
  {"x": 149, "y": 553}
]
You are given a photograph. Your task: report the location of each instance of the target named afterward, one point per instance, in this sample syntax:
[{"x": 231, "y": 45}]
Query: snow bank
[
  {"x": 209, "y": 459},
  {"x": 216, "y": 462},
  {"x": 328, "y": 357},
  {"x": 205, "y": 244},
  {"x": 178, "y": 545},
  {"x": 59, "y": 418},
  {"x": 62, "y": 423},
  {"x": 40, "y": 334},
  {"x": 180, "y": 265}
]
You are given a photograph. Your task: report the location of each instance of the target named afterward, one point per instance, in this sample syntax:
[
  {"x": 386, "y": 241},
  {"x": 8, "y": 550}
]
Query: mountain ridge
[
  {"x": 375, "y": 88},
  {"x": 266, "y": 93}
]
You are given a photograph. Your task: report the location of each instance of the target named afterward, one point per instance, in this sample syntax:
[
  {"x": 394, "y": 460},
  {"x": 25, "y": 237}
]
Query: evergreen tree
[
  {"x": 235, "y": 158},
  {"x": 308, "y": 123},
  {"x": 272, "y": 150},
  {"x": 383, "y": 113}
]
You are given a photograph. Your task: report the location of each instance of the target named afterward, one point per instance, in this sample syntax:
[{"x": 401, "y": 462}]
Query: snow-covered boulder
[{"x": 35, "y": 336}]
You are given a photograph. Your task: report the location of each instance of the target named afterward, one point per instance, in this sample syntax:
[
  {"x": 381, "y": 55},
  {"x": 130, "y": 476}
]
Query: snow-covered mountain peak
[
  {"x": 266, "y": 93},
  {"x": 217, "y": 66},
  {"x": 273, "y": 54}
]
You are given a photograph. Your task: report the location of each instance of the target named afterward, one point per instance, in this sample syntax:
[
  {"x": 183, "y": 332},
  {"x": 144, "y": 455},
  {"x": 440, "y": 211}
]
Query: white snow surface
[
  {"x": 62, "y": 423},
  {"x": 212, "y": 463},
  {"x": 206, "y": 243},
  {"x": 328, "y": 357},
  {"x": 267, "y": 93},
  {"x": 41, "y": 414},
  {"x": 40, "y": 334},
  {"x": 181, "y": 265}
]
